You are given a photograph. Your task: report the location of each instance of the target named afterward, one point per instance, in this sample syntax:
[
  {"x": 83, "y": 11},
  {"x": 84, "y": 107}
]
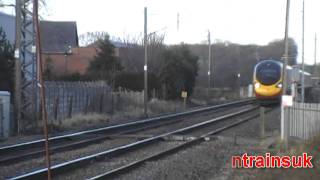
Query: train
[{"x": 268, "y": 83}]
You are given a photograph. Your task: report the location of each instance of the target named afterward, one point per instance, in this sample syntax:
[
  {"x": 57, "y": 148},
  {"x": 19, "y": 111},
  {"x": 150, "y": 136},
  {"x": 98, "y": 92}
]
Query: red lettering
[
  {"x": 307, "y": 161},
  {"x": 236, "y": 161},
  {"x": 275, "y": 161},
  {"x": 286, "y": 163},
  {"x": 245, "y": 160},
  {"x": 267, "y": 160},
  {"x": 251, "y": 159},
  {"x": 260, "y": 162},
  {"x": 296, "y": 161}
]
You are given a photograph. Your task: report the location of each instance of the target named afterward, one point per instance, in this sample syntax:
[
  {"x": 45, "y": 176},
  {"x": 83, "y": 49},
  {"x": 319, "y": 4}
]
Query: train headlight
[
  {"x": 257, "y": 85},
  {"x": 279, "y": 85}
]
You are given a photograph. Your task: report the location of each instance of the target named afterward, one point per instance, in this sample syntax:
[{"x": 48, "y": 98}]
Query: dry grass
[
  {"x": 84, "y": 120},
  {"x": 130, "y": 107}
]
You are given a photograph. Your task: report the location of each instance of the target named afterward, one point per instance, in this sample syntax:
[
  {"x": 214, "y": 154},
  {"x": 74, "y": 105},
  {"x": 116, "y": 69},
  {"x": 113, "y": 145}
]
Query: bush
[{"x": 135, "y": 81}]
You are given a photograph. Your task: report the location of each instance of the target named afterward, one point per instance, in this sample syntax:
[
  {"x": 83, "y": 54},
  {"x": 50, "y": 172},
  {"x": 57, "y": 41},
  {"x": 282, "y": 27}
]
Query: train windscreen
[{"x": 268, "y": 73}]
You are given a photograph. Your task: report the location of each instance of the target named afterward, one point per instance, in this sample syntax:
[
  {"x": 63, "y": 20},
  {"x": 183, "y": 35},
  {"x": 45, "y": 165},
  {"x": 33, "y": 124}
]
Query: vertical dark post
[
  {"x": 145, "y": 64},
  {"x": 70, "y": 107},
  {"x": 86, "y": 106},
  {"x": 302, "y": 54},
  {"x": 56, "y": 107},
  {"x": 17, "y": 68},
  {"x": 154, "y": 93},
  {"x": 262, "y": 123},
  {"x": 209, "y": 63},
  {"x": 41, "y": 84},
  {"x": 286, "y": 50},
  {"x": 315, "y": 56},
  {"x": 101, "y": 103},
  {"x": 284, "y": 135}
]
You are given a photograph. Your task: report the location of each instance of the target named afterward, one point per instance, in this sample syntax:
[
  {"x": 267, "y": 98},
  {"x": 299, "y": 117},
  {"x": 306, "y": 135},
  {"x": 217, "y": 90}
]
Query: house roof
[{"x": 57, "y": 36}]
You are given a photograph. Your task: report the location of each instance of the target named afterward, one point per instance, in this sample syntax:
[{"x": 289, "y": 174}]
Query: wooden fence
[
  {"x": 64, "y": 99},
  {"x": 304, "y": 120}
]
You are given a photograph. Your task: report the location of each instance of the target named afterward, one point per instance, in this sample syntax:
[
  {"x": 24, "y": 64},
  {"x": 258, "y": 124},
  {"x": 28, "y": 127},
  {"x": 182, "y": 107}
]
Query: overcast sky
[{"x": 237, "y": 21}]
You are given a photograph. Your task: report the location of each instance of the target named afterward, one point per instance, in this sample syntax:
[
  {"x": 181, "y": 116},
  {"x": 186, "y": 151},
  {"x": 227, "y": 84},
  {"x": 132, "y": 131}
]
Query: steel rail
[
  {"x": 135, "y": 164},
  {"x": 59, "y": 168},
  {"x": 82, "y": 143},
  {"x": 40, "y": 142},
  {"x": 33, "y": 153}
]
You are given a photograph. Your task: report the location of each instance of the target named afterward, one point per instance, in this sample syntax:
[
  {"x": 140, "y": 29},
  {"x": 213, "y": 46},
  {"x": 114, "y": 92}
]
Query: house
[
  {"x": 60, "y": 45},
  {"x": 77, "y": 60},
  {"x": 60, "y": 48}
]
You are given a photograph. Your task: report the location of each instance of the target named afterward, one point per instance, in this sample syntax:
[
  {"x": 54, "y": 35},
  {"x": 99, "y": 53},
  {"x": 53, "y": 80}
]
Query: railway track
[
  {"x": 33, "y": 149},
  {"x": 247, "y": 113}
]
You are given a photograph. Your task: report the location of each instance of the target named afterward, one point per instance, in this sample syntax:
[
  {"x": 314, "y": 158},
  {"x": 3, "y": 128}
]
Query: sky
[{"x": 237, "y": 21}]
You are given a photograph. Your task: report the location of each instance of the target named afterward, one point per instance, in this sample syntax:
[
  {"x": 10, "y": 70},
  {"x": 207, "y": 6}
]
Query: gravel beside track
[
  {"x": 252, "y": 128},
  {"x": 192, "y": 120},
  {"x": 108, "y": 164},
  {"x": 109, "y": 122},
  {"x": 211, "y": 159},
  {"x": 27, "y": 166},
  {"x": 102, "y": 166}
]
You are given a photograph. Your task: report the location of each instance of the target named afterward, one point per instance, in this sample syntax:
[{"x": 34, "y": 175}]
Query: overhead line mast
[{"x": 302, "y": 80}]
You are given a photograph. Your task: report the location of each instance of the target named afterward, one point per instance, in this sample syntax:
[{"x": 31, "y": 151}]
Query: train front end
[{"x": 267, "y": 81}]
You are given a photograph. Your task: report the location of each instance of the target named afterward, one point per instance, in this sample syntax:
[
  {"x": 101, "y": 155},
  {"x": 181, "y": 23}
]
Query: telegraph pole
[
  {"x": 209, "y": 62},
  {"x": 178, "y": 21},
  {"x": 284, "y": 123},
  {"x": 302, "y": 81},
  {"x": 286, "y": 49},
  {"x": 315, "y": 55},
  {"x": 17, "y": 68},
  {"x": 145, "y": 68},
  {"x": 41, "y": 85}
]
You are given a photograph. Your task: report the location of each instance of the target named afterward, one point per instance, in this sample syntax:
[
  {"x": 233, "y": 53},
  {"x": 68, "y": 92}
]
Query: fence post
[
  {"x": 112, "y": 102},
  {"x": 56, "y": 106},
  {"x": 70, "y": 107},
  {"x": 101, "y": 103},
  {"x": 86, "y": 106},
  {"x": 262, "y": 115}
]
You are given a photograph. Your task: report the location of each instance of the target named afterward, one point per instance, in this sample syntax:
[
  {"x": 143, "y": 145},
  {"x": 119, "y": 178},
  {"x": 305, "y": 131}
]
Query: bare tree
[
  {"x": 132, "y": 52},
  {"x": 89, "y": 38}
]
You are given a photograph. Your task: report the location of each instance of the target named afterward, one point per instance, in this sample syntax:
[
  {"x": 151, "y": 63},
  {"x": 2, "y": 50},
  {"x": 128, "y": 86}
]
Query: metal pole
[
  {"x": 209, "y": 61},
  {"x": 286, "y": 49},
  {"x": 284, "y": 124},
  {"x": 315, "y": 55},
  {"x": 41, "y": 84},
  {"x": 239, "y": 85},
  {"x": 17, "y": 67},
  {"x": 145, "y": 64},
  {"x": 178, "y": 23},
  {"x": 302, "y": 81}
]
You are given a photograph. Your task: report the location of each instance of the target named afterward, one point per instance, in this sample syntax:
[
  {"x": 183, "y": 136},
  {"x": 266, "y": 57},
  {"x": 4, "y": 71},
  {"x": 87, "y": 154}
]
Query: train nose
[{"x": 268, "y": 90}]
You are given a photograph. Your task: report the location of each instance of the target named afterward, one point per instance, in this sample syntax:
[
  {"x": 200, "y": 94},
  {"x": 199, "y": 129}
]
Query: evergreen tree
[
  {"x": 105, "y": 64},
  {"x": 6, "y": 63},
  {"x": 178, "y": 71}
]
